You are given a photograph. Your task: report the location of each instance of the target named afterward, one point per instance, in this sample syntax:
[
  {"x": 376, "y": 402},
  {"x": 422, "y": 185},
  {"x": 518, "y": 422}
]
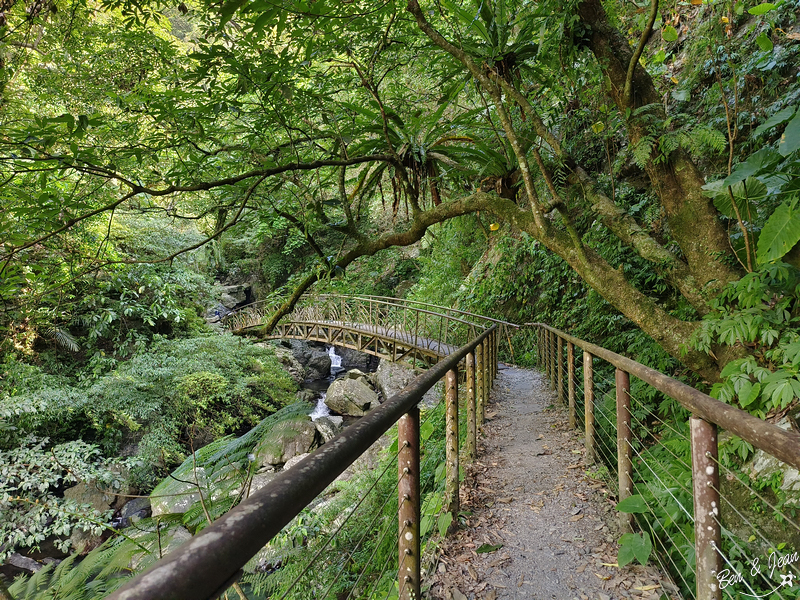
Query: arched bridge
[{"x": 390, "y": 328}]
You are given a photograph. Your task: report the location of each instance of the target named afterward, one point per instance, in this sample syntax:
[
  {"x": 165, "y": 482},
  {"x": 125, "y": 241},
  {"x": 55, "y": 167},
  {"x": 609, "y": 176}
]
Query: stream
[{"x": 321, "y": 385}]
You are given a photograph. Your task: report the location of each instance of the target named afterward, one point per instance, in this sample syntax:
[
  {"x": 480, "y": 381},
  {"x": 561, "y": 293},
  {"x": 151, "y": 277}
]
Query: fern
[
  {"x": 642, "y": 150},
  {"x": 704, "y": 140},
  {"x": 95, "y": 576},
  {"x": 63, "y": 338}
]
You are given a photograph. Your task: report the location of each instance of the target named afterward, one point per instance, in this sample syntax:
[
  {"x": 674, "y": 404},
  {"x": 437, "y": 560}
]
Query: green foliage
[
  {"x": 757, "y": 313},
  {"x": 32, "y": 478},
  {"x": 634, "y": 545}
]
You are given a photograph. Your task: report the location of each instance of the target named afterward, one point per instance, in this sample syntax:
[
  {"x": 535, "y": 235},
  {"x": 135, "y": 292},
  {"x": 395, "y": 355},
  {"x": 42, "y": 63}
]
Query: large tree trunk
[{"x": 693, "y": 220}]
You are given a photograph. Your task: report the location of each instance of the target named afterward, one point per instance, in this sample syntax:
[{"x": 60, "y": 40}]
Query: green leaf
[
  {"x": 779, "y": 117},
  {"x": 486, "y": 548},
  {"x": 228, "y": 9},
  {"x": 669, "y": 34},
  {"x": 632, "y": 504},
  {"x": 790, "y": 140},
  {"x": 426, "y": 430},
  {"x": 634, "y": 545},
  {"x": 761, "y": 9},
  {"x": 443, "y": 523},
  {"x": 764, "y": 42},
  {"x": 780, "y": 234}
]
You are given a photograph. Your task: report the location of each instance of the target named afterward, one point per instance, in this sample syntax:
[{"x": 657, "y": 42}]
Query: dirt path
[{"x": 530, "y": 496}]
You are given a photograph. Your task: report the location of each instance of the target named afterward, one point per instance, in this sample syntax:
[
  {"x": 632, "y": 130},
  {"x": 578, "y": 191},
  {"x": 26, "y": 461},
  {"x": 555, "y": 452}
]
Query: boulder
[
  {"x": 315, "y": 360},
  {"x": 173, "y": 497},
  {"x": 391, "y": 378},
  {"x": 288, "y": 360},
  {"x": 306, "y": 396},
  {"x": 318, "y": 365},
  {"x": 135, "y": 510},
  {"x": 168, "y": 540},
  {"x": 84, "y": 541},
  {"x": 233, "y": 295},
  {"x": 89, "y": 493},
  {"x": 328, "y": 427},
  {"x": 351, "y": 397},
  {"x": 285, "y": 440},
  {"x": 353, "y": 359},
  {"x": 294, "y": 460}
]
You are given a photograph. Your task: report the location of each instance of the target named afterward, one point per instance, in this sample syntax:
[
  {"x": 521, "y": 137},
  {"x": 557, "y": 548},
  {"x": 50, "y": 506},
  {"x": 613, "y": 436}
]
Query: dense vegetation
[{"x": 628, "y": 173}]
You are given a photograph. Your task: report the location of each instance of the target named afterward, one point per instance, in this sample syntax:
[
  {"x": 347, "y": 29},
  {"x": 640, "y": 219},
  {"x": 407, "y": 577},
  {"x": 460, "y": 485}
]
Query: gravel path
[{"x": 531, "y": 495}]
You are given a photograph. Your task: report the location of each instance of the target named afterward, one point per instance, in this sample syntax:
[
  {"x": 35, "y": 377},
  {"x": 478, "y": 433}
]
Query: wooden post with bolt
[
  {"x": 480, "y": 398},
  {"x": 624, "y": 449},
  {"x": 409, "y": 505},
  {"x": 451, "y": 446},
  {"x": 560, "y": 369},
  {"x": 707, "y": 528},
  {"x": 588, "y": 404},
  {"x": 571, "y": 383},
  {"x": 472, "y": 432}
]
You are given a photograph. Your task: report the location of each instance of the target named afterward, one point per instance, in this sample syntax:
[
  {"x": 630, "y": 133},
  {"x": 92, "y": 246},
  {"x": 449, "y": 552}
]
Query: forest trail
[{"x": 530, "y": 494}]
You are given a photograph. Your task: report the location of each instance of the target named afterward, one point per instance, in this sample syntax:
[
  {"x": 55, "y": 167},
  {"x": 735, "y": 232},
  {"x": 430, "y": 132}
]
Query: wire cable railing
[
  {"x": 705, "y": 534},
  {"x": 208, "y": 564}
]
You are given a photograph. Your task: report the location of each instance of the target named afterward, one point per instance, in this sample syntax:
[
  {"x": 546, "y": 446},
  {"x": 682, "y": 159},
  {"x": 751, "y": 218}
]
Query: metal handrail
[
  {"x": 206, "y": 565},
  {"x": 781, "y": 443},
  {"x": 707, "y": 414}
]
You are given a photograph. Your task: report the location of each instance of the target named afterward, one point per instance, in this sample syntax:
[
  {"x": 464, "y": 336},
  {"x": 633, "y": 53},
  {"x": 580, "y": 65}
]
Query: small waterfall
[
  {"x": 321, "y": 410},
  {"x": 336, "y": 362}
]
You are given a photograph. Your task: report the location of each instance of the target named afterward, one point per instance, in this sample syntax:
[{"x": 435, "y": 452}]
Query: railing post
[
  {"x": 708, "y": 535},
  {"x": 550, "y": 357},
  {"x": 560, "y": 369},
  {"x": 451, "y": 446},
  {"x": 409, "y": 505},
  {"x": 571, "y": 382},
  {"x": 624, "y": 449},
  {"x": 495, "y": 352},
  {"x": 487, "y": 381},
  {"x": 472, "y": 432},
  {"x": 480, "y": 397},
  {"x": 588, "y": 404},
  {"x": 553, "y": 361}
]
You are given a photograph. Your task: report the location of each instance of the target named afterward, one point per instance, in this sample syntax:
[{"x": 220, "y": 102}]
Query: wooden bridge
[{"x": 390, "y": 328}]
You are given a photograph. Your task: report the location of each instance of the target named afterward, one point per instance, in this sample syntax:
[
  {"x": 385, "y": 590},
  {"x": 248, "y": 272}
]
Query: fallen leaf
[
  {"x": 603, "y": 577},
  {"x": 490, "y": 595},
  {"x": 472, "y": 572},
  {"x": 505, "y": 500},
  {"x": 793, "y": 36},
  {"x": 574, "y": 466},
  {"x": 576, "y": 518},
  {"x": 610, "y": 565},
  {"x": 485, "y": 548},
  {"x": 647, "y": 588},
  {"x": 456, "y": 594},
  {"x": 582, "y": 568}
]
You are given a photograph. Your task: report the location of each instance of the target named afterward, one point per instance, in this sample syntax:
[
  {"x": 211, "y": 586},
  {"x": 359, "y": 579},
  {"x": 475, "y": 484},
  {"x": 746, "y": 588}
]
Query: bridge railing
[
  {"x": 429, "y": 326},
  {"x": 703, "y": 536},
  {"x": 205, "y": 566}
]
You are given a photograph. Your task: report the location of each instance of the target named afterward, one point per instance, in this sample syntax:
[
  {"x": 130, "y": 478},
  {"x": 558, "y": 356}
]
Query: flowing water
[{"x": 321, "y": 410}]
